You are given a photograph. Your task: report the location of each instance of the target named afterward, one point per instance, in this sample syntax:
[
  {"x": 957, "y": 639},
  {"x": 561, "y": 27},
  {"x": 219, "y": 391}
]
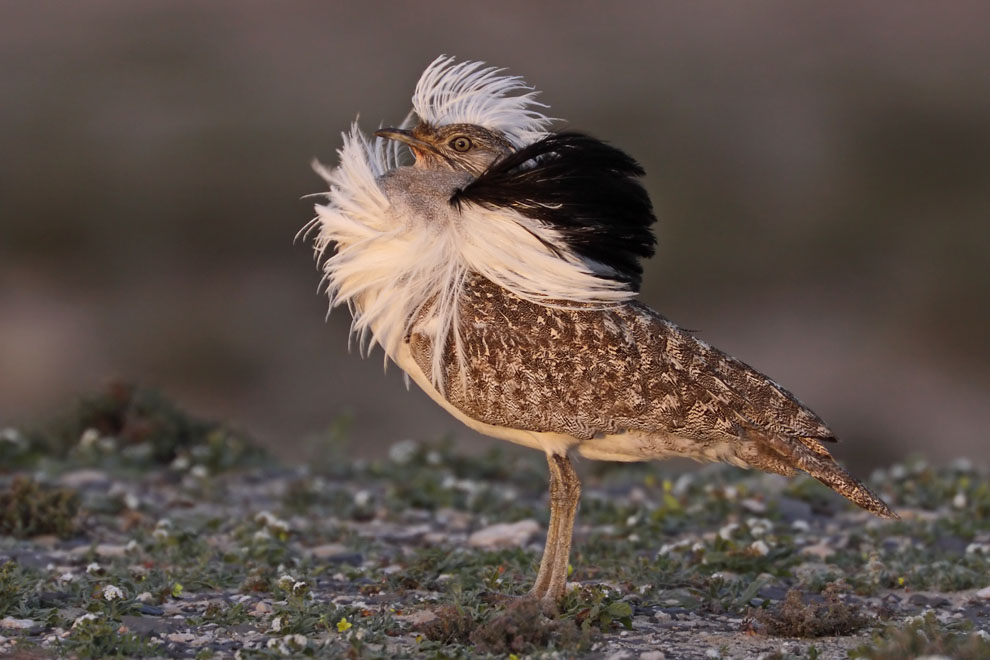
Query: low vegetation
[{"x": 129, "y": 528}]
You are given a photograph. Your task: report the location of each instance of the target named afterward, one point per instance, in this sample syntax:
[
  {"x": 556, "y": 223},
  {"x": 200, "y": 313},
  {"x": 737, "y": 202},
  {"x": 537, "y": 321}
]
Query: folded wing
[{"x": 597, "y": 373}]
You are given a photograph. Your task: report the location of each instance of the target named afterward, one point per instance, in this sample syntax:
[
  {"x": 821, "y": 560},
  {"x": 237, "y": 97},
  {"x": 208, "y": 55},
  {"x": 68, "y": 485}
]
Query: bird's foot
[{"x": 549, "y": 604}]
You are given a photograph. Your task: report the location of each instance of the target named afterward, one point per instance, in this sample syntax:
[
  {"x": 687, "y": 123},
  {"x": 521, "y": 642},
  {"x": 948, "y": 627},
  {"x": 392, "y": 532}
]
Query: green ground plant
[{"x": 28, "y": 508}]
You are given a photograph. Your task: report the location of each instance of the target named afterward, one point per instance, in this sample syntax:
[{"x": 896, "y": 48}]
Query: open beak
[{"x": 406, "y": 137}]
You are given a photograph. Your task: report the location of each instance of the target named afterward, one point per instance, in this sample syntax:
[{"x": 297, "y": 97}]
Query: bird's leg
[
  {"x": 569, "y": 494},
  {"x": 539, "y": 590},
  {"x": 565, "y": 492}
]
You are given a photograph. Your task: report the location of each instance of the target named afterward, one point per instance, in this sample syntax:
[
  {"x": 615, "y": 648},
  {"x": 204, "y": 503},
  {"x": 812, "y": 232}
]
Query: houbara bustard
[{"x": 500, "y": 272}]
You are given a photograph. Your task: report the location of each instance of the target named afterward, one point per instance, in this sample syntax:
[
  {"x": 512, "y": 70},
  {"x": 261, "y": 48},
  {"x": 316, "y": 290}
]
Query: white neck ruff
[{"x": 393, "y": 269}]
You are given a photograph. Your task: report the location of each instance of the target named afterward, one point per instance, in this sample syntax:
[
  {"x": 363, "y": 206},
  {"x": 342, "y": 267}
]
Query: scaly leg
[
  {"x": 539, "y": 589},
  {"x": 565, "y": 492},
  {"x": 569, "y": 494}
]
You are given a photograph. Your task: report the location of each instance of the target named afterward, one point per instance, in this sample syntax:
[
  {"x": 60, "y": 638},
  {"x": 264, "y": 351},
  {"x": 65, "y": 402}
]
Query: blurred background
[{"x": 821, "y": 173}]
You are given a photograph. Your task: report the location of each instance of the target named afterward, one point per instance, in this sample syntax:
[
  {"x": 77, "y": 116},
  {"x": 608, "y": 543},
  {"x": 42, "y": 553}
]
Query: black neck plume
[{"x": 585, "y": 189}]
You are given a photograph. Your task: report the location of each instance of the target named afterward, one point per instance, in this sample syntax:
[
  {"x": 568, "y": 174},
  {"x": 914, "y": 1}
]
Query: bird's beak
[{"x": 406, "y": 137}]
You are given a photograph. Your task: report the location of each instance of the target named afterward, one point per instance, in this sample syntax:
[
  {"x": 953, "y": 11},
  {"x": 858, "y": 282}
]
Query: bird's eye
[{"x": 460, "y": 143}]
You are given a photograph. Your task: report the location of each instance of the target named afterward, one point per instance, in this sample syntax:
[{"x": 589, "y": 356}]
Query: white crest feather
[{"x": 472, "y": 93}]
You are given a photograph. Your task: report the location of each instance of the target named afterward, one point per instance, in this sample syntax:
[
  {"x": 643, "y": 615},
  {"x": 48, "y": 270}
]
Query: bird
[{"x": 500, "y": 270}]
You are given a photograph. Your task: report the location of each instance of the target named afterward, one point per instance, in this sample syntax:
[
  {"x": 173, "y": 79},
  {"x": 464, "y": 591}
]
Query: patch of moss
[
  {"x": 924, "y": 637},
  {"x": 15, "y": 450},
  {"x": 24, "y": 651},
  {"x": 594, "y": 607},
  {"x": 795, "y": 618},
  {"x": 92, "y": 636},
  {"x": 523, "y": 627},
  {"x": 29, "y": 509},
  {"x": 13, "y": 587},
  {"x": 452, "y": 625},
  {"x": 147, "y": 427},
  {"x": 505, "y": 570}
]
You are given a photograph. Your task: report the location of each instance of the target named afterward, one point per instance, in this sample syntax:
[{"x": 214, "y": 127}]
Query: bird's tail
[{"x": 809, "y": 455}]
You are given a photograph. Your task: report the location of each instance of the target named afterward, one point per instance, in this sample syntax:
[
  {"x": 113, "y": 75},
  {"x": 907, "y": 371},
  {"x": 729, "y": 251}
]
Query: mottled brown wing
[{"x": 591, "y": 372}]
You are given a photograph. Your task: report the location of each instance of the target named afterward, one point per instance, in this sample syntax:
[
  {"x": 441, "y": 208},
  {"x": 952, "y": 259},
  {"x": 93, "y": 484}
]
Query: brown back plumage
[{"x": 591, "y": 372}]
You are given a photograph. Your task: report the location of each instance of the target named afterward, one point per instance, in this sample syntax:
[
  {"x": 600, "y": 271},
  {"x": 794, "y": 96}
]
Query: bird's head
[
  {"x": 459, "y": 147},
  {"x": 468, "y": 116}
]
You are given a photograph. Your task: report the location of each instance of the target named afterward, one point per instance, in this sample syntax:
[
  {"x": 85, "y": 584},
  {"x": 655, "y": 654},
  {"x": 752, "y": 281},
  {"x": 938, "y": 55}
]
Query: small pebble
[
  {"x": 821, "y": 550},
  {"x": 504, "y": 535},
  {"x": 652, "y": 655},
  {"x": 110, "y": 550},
  {"x": 10, "y": 623},
  {"x": 619, "y": 655},
  {"x": 417, "y": 617},
  {"x": 83, "y": 477},
  {"x": 754, "y": 505},
  {"x": 327, "y": 550}
]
